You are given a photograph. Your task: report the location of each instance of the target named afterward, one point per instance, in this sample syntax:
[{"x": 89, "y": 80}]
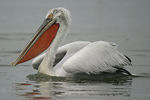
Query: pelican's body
[
  {"x": 73, "y": 58},
  {"x": 62, "y": 55}
]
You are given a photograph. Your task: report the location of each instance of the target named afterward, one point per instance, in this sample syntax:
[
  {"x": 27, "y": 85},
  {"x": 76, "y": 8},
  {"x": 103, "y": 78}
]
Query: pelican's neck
[{"x": 47, "y": 63}]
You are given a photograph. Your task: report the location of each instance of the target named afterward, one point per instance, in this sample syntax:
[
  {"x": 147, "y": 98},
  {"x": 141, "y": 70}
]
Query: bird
[{"x": 73, "y": 58}]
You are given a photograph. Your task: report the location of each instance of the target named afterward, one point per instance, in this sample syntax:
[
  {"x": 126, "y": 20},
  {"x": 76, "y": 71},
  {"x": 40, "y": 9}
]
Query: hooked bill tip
[{"x": 13, "y": 63}]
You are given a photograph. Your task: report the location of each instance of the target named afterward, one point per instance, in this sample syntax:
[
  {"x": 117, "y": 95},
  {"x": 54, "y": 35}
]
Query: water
[{"x": 123, "y": 22}]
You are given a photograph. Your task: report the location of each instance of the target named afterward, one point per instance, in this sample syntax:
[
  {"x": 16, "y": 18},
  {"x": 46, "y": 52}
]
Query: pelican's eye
[{"x": 50, "y": 16}]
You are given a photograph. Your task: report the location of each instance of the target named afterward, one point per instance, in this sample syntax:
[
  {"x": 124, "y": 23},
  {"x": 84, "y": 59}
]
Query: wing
[
  {"x": 70, "y": 50},
  {"x": 63, "y": 51},
  {"x": 95, "y": 58}
]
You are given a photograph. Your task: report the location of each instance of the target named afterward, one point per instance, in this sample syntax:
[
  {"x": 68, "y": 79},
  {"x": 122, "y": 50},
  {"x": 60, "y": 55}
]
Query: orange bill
[{"x": 40, "y": 41}]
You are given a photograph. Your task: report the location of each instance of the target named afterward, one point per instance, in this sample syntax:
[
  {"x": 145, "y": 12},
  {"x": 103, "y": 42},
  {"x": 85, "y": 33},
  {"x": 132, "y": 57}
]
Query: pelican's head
[
  {"x": 61, "y": 15},
  {"x": 56, "y": 19}
]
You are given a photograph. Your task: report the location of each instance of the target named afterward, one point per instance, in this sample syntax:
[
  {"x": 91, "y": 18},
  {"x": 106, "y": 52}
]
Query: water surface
[{"x": 123, "y": 22}]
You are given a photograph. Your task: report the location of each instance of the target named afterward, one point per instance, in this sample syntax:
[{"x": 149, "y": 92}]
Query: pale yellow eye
[{"x": 50, "y": 16}]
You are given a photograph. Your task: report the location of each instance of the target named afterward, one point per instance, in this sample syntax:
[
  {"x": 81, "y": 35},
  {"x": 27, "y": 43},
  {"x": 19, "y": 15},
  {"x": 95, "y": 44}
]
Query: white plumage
[
  {"x": 87, "y": 57},
  {"x": 80, "y": 57},
  {"x": 96, "y": 57},
  {"x": 74, "y": 58}
]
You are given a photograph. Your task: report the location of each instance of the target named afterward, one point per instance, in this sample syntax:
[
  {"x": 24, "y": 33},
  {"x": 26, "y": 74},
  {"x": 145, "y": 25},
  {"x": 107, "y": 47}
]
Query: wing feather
[{"x": 96, "y": 57}]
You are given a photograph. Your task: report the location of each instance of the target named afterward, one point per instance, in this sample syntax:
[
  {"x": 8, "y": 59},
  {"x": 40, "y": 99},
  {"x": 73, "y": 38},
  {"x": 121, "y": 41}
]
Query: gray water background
[{"x": 125, "y": 22}]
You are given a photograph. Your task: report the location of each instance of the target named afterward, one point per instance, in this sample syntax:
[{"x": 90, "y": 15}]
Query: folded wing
[{"x": 95, "y": 58}]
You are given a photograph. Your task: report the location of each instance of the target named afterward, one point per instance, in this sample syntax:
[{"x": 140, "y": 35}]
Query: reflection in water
[{"x": 117, "y": 87}]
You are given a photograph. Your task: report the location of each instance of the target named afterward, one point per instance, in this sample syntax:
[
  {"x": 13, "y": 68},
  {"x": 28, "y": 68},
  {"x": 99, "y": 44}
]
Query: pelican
[{"x": 73, "y": 58}]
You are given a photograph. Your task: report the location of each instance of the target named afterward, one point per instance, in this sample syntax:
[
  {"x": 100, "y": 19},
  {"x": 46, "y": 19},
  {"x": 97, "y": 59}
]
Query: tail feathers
[
  {"x": 124, "y": 70},
  {"x": 128, "y": 58}
]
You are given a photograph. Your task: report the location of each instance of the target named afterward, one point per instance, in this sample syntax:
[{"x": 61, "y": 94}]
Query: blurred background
[{"x": 125, "y": 22}]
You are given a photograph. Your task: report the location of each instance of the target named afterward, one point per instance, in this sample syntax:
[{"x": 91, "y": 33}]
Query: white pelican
[{"x": 74, "y": 58}]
